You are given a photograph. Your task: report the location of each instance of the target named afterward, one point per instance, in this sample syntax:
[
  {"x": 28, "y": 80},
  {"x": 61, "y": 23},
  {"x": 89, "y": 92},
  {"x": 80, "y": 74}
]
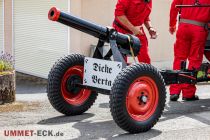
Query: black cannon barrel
[{"x": 91, "y": 28}]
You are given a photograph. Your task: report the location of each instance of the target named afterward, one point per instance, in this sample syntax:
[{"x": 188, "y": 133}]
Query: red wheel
[
  {"x": 138, "y": 98},
  {"x": 62, "y": 93},
  {"x": 142, "y": 98},
  {"x": 73, "y": 95}
]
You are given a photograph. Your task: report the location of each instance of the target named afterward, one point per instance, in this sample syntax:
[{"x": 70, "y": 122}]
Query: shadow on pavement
[
  {"x": 176, "y": 109},
  {"x": 109, "y": 130},
  {"x": 65, "y": 119},
  {"x": 189, "y": 109},
  {"x": 97, "y": 130}
]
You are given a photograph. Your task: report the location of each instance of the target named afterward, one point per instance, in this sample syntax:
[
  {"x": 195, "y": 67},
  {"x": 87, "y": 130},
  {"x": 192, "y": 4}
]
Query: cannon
[{"x": 137, "y": 91}]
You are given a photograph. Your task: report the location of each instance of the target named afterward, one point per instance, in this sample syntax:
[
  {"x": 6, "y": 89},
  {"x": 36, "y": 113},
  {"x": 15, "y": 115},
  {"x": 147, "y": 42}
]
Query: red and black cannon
[{"x": 137, "y": 91}]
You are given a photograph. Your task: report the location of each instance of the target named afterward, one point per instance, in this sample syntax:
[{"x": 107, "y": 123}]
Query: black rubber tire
[
  {"x": 119, "y": 93},
  {"x": 54, "y": 87}
]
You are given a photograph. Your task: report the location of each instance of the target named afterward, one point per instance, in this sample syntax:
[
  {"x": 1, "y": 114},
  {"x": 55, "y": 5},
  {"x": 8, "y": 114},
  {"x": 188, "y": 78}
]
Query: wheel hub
[
  {"x": 70, "y": 92},
  {"x": 71, "y": 84},
  {"x": 144, "y": 99}
]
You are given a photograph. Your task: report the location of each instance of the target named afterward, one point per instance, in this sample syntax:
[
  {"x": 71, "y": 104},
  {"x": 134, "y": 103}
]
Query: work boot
[
  {"x": 194, "y": 98},
  {"x": 174, "y": 97}
]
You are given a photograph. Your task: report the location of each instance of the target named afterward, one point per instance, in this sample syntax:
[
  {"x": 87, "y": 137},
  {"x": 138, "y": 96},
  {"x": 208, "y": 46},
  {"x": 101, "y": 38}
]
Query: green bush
[{"x": 6, "y": 63}]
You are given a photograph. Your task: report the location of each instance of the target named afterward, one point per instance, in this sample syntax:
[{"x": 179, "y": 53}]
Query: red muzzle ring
[{"x": 54, "y": 14}]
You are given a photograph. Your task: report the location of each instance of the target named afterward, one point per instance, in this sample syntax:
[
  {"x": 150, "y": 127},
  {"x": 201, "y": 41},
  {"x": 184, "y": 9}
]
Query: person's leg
[
  {"x": 144, "y": 51},
  {"x": 195, "y": 58},
  {"x": 181, "y": 52}
]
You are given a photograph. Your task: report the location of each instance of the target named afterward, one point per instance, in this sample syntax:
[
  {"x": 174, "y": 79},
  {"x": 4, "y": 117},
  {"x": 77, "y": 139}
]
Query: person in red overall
[
  {"x": 130, "y": 15},
  {"x": 190, "y": 42}
]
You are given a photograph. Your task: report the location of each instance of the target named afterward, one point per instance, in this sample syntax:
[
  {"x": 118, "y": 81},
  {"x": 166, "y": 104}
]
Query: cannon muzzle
[{"x": 103, "y": 33}]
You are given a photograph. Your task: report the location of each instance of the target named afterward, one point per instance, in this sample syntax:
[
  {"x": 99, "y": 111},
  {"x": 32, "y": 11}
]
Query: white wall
[
  {"x": 161, "y": 49},
  {"x": 38, "y": 42}
]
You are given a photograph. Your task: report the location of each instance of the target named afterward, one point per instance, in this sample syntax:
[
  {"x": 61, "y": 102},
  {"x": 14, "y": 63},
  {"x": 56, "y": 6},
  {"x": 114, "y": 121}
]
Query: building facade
[
  {"x": 36, "y": 43},
  {"x": 1, "y": 25}
]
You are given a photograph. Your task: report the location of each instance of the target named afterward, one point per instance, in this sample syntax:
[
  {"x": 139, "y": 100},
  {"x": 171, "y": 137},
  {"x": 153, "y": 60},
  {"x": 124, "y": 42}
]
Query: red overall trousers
[
  {"x": 190, "y": 41},
  {"x": 137, "y": 12}
]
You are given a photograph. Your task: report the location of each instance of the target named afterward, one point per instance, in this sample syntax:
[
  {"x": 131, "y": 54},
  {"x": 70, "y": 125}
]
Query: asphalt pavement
[{"x": 181, "y": 120}]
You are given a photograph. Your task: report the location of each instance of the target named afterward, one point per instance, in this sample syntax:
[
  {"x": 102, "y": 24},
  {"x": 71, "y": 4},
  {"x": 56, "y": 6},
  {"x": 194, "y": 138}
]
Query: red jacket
[
  {"x": 137, "y": 11},
  {"x": 192, "y": 13}
]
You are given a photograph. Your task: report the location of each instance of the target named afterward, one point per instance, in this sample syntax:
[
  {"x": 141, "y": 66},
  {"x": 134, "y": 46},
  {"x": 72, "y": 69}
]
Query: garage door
[
  {"x": 1, "y": 25},
  {"x": 38, "y": 42}
]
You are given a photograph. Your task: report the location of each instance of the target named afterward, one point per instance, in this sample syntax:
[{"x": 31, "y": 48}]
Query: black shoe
[
  {"x": 194, "y": 98},
  {"x": 174, "y": 97}
]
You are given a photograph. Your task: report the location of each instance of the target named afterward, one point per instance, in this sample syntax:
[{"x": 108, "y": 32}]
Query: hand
[
  {"x": 172, "y": 30},
  {"x": 153, "y": 33},
  {"x": 137, "y": 30}
]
